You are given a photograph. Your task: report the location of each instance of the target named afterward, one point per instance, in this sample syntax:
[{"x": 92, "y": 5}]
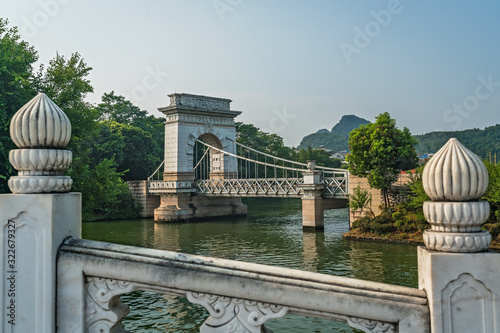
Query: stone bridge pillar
[
  {"x": 36, "y": 217},
  {"x": 190, "y": 118},
  {"x": 312, "y": 201},
  {"x": 458, "y": 273}
]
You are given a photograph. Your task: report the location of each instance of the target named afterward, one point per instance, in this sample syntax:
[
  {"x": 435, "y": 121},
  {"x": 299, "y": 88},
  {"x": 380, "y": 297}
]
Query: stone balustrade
[
  {"x": 54, "y": 281},
  {"x": 239, "y": 296}
]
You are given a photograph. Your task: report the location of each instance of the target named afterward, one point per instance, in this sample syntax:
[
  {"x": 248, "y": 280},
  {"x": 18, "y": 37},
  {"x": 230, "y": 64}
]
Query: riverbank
[{"x": 398, "y": 238}]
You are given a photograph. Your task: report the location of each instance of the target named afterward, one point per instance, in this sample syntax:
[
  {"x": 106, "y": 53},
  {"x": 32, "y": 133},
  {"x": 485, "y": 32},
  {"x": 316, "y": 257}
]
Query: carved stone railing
[{"x": 239, "y": 296}]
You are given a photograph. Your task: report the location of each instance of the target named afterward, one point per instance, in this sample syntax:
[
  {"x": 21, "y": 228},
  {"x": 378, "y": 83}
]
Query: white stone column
[
  {"x": 36, "y": 218},
  {"x": 458, "y": 273}
]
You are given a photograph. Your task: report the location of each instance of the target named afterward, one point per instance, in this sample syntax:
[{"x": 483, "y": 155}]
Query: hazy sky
[{"x": 292, "y": 67}]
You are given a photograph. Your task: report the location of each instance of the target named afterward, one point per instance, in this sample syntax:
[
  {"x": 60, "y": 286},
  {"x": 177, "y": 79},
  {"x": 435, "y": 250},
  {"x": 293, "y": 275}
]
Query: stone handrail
[{"x": 92, "y": 275}]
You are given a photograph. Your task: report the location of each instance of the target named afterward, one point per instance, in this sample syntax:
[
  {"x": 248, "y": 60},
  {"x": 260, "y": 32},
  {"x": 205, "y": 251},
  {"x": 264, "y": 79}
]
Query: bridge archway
[
  {"x": 206, "y": 162},
  {"x": 189, "y": 118}
]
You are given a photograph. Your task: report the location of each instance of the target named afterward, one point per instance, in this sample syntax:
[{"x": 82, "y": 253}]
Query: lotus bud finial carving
[
  {"x": 454, "y": 173},
  {"x": 40, "y": 123},
  {"x": 40, "y": 129}
]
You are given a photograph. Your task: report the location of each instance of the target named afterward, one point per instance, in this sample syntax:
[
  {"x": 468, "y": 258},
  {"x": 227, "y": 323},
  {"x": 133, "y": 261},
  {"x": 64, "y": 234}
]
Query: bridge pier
[
  {"x": 179, "y": 202},
  {"x": 181, "y": 207},
  {"x": 312, "y": 200}
]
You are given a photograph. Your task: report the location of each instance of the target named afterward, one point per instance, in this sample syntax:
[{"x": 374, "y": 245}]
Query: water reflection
[{"x": 271, "y": 234}]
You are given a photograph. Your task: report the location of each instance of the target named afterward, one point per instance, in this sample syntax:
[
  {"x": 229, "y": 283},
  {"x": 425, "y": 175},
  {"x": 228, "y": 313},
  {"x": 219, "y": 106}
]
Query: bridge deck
[{"x": 335, "y": 187}]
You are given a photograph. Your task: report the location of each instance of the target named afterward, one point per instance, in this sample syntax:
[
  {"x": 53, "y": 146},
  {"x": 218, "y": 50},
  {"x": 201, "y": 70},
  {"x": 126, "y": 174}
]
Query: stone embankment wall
[
  {"x": 377, "y": 197},
  {"x": 139, "y": 190}
]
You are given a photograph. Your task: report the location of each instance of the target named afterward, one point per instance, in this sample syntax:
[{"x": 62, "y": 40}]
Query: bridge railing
[
  {"x": 265, "y": 177},
  {"x": 279, "y": 187},
  {"x": 239, "y": 296}
]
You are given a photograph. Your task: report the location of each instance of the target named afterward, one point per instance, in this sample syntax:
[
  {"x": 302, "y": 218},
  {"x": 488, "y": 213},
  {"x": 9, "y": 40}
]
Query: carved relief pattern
[
  {"x": 371, "y": 326},
  {"x": 456, "y": 216},
  {"x": 41, "y": 161},
  {"x": 104, "y": 310},
  {"x": 235, "y": 315},
  {"x": 457, "y": 242},
  {"x": 202, "y": 102},
  {"x": 198, "y": 119},
  {"x": 457, "y": 300}
]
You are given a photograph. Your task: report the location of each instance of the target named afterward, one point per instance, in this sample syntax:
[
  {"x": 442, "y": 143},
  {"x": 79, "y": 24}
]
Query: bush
[
  {"x": 105, "y": 195},
  {"x": 493, "y": 228},
  {"x": 397, "y": 216}
]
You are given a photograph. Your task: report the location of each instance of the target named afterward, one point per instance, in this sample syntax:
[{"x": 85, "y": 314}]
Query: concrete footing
[
  {"x": 186, "y": 206},
  {"x": 139, "y": 190},
  {"x": 312, "y": 213}
]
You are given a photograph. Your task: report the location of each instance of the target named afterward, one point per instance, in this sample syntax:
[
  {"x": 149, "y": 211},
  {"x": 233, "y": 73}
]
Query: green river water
[{"x": 271, "y": 234}]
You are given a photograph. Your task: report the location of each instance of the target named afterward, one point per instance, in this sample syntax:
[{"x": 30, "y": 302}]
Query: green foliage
[
  {"x": 409, "y": 215},
  {"x": 251, "y": 136},
  {"x": 481, "y": 142},
  {"x": 133, "y": 149},
  {"x": 17, "y": 58},
  {"x": 105, "y": 194},
  {"x": 493, "y": 196},
  {"x": 379, "y": 151},
  {"x": 65, "y": 82},
  {"x": 321, "y": 157},
  {"x": 360, "y": 200},
  {"x": 493, "y": 192},
  {"x": 379, "y": 225},
  {"x": 130, "y": 135}
]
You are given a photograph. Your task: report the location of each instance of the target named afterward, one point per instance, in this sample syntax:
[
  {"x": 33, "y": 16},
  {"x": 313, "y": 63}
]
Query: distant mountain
[
  {"x": 481, "y": 142},
  {"x": 335, "y": 140},
  {"x": 347, "y": 124}
]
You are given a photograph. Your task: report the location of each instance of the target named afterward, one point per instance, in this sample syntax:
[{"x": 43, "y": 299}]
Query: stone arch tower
[{"x": 190, "y": 117}]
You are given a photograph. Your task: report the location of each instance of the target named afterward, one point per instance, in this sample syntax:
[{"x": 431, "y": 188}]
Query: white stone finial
[
  {"x": 40, "y": 129},
  {"x": 455, "y": 178},
  {"x": 311, "y": 165},
  {"x": 454, "y": 173},
  {"x": 40, "y": 123}
]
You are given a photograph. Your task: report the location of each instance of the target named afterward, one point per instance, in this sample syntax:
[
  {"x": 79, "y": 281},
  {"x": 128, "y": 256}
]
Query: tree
[
  {"x": 379, "y": 151},
  {"x": 132, "y": 148},
  {"x": 16, "y": 88},
  {"x": 251, "y": 136},
  {"x": 65, "y": 82},
  {"x": 126, "y": 132}
]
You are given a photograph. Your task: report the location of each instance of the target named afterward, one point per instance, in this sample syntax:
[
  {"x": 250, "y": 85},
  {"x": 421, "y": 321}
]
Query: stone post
[
  {"x": 36, "y": 217},
  {"x": 312, "y": 201},
  {"x": 458, "y": 273}
]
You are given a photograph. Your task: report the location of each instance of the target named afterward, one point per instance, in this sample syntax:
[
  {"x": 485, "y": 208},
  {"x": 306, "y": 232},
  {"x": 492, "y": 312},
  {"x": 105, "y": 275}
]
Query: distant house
[
  {"x": 424, "y": 157},
  {"x": 339, "y": 155},
  {"x": 325, "y": 149}
]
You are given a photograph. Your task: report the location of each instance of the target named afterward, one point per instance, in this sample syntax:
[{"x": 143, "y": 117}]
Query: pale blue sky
[{"x": 292, "y": 67}]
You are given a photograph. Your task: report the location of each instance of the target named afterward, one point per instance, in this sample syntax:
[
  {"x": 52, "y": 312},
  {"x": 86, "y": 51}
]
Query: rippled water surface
[{"x": 271, "y": 234}]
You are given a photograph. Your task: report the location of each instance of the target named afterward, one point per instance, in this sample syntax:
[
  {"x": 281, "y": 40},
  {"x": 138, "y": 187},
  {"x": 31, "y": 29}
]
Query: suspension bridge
[
  {"x": 258, "y": 175},
  {"x": 206, "y": 172}
]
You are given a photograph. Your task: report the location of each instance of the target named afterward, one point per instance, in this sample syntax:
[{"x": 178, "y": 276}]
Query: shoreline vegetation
[
  {"x": 404, "y": 222},
  {"x": 398, "y": 238}
]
